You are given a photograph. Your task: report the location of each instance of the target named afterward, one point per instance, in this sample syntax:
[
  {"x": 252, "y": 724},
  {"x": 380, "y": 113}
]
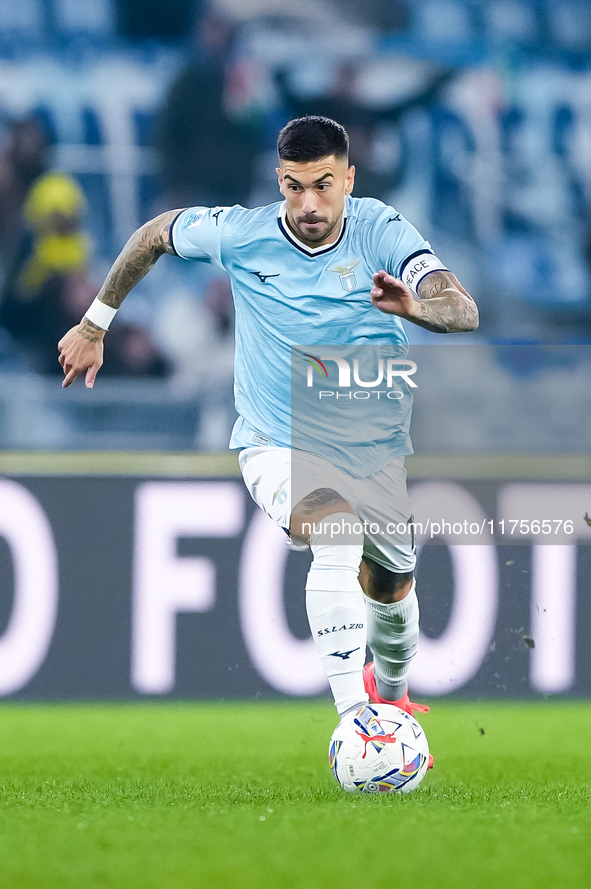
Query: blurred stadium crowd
[{"x": 472, "y": 117}]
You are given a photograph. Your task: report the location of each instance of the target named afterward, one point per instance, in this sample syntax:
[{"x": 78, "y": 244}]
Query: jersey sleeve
[
  {"x": 403, "y": 252},
  {"x": 197, "y": 234}
]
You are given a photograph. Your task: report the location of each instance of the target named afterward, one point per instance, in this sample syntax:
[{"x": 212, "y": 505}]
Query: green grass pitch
[{"x": 240, "y": 795}]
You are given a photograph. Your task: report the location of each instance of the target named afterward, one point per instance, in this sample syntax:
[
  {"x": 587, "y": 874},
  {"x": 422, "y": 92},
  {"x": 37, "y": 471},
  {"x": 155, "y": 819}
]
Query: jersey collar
[{"x": 309, "y": 251}]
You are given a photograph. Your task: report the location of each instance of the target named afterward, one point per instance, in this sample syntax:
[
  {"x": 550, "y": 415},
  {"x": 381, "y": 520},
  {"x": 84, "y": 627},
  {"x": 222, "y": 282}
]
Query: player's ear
[
  {"x": 279, "y": 179},
  {"x": 349, "y": 180}
]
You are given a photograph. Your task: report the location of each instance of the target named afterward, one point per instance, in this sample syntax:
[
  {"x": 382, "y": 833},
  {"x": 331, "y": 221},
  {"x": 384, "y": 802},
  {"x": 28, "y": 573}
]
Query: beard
[{"x": 325, "y": 227}]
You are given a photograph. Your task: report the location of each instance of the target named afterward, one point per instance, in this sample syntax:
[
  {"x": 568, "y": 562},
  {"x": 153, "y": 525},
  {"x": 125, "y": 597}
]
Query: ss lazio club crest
[{"x": 347, "y": 276}]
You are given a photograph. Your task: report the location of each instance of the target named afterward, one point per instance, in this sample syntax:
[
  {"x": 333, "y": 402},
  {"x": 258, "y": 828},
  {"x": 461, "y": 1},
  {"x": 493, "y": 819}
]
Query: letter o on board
[
  {"x": 27, "y": 637},
  {"x": 447, "y": 663}
]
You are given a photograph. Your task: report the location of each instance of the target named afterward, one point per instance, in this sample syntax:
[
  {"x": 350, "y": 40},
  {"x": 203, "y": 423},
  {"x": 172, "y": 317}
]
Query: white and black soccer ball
[{"x": 378, "y": 749}]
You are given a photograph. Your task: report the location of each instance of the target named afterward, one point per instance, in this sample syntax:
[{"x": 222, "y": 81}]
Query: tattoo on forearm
[
  {"x": 89, "y": 331},
  {"x": 139, "y": 255},
  {"x": 445, "y": 306},
  {"x": 436, "y": 282},
  {"x": 449, "y": 312},
  {"x": 320, "y": 498}
]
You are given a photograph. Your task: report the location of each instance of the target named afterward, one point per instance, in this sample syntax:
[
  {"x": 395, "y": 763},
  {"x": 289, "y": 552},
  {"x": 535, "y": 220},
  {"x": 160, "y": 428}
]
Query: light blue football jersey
[{"x": 286, "y": 295}]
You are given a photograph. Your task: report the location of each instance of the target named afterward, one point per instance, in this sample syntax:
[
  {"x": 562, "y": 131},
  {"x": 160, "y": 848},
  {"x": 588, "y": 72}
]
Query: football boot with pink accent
[{"x": 404, "y": 703}]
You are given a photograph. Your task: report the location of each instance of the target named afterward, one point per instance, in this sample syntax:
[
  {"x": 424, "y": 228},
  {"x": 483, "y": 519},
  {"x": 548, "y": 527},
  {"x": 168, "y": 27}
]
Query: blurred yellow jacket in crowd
[{"x": 53, "y": 210}]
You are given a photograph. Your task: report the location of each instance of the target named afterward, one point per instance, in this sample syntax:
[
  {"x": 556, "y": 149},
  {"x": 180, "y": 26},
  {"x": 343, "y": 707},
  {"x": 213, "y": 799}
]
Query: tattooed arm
[
  {"x": 81, "y": 349},
  {"x": 443, "y": 305}
]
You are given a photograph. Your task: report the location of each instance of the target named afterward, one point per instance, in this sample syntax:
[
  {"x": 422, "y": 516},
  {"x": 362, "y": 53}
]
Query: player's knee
[
  {"x": 382, "y": 584},
  {"x": 335, "y": 535},
  {"x": 317, "y": 514},
  {"x": 337, "y": 550}
]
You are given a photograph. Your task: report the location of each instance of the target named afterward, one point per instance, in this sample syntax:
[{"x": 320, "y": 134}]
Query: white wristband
[{"x": 100, "y": 314}]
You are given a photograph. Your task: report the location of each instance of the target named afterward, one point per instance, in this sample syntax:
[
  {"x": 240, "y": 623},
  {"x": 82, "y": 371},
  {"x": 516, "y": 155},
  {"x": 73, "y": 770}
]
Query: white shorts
[{"x": 380, "y": 501}]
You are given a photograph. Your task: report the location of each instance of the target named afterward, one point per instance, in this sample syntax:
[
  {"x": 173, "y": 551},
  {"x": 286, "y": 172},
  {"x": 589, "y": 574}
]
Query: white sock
[
  {"x": 393, "y": 636},
  {"x": 337, "y": 615}
]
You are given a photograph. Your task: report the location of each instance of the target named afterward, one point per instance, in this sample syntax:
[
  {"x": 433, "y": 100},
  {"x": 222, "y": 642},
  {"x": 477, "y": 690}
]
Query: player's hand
[
  {"x": 391, "y": 295},
  {"x": 79, "y": 354}
]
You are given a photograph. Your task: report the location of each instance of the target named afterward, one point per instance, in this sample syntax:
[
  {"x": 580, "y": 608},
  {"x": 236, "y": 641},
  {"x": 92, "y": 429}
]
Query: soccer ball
[{"x": 380, "y": 748}]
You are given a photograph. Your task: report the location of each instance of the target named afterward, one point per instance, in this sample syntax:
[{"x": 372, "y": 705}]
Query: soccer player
[{"x": 319, "y": 267}]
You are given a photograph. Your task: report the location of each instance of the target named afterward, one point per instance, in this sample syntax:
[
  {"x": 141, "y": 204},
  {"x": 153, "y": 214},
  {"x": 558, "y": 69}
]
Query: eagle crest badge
[{"x": 347, "y": 275}]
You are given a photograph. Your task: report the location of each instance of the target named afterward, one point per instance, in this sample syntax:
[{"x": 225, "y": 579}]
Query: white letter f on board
[{"x": 165, "y": 584}]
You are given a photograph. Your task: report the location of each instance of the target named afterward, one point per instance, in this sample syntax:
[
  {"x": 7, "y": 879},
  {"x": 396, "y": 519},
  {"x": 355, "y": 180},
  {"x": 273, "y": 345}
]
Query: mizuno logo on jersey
[
  {"x": 347, "y": 276},
  {"x": 263, "y": 278},
  {"x": 396, "y": 218}
]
